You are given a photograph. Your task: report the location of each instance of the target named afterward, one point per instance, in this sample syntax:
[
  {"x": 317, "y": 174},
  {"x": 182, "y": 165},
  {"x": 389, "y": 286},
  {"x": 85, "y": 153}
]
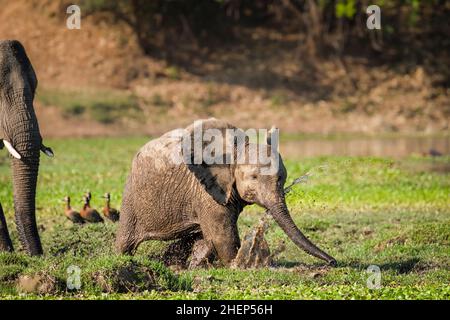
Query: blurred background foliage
[
  {"x": 335, "y": 25},
  {"x": 308, "y": 65}
]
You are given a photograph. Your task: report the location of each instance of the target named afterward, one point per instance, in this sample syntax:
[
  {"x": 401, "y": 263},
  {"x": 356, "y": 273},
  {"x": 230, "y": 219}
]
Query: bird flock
[{"x": 89, "y": 214}]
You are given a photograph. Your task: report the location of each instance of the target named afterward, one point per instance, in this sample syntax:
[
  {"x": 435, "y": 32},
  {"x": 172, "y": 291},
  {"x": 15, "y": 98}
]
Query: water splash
[
  {"x": 316, "y": 171},
  {"x": 254, "y": 251}
]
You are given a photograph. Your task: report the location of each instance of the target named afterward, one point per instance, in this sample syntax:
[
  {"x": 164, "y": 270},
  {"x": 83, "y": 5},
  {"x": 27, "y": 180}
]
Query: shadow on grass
[
  {"x": 295, "y": 264},
  {"x": 286, "y": 264},
  {"x": 402, "y": 267}
]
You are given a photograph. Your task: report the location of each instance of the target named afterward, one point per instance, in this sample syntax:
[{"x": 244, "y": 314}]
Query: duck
[
  {"x": 71, "y": 214},
  {"x": 110, "y": 213},
  {"x": 89, "y": 214}
]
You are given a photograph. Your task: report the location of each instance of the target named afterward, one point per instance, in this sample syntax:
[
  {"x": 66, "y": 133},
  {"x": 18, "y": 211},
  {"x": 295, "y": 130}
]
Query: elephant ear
[{"x": 217, "y": 180}]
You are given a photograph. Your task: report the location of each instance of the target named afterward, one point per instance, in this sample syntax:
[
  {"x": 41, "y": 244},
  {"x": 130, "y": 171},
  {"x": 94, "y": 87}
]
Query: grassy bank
[
  {"x": 365, "y": 211},
  {"x": 104, "y": 106}
]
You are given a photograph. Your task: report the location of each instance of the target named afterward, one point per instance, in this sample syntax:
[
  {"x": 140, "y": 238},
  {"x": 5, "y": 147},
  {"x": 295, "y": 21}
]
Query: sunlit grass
[{"x": 391, "y": 213}]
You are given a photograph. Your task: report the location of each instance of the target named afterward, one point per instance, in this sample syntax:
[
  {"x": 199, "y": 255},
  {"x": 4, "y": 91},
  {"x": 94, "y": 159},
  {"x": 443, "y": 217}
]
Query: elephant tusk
[
  {"x": 11, "y": 150},
  {"x": 48, "y": 151}
]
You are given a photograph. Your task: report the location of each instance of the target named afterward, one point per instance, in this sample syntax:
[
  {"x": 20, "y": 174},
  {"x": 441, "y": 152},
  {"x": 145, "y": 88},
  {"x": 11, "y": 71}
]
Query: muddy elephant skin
[{"x": 166, "y": 200}]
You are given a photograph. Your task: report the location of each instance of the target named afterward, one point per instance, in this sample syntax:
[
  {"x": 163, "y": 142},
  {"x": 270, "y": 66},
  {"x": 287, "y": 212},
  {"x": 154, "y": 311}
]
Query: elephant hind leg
[
  {"x": 5, "y": 240},
  {"x": 126, "y": 242},
  {"x": 125, "y": 247},
  {"x": 126, "y": 237}
]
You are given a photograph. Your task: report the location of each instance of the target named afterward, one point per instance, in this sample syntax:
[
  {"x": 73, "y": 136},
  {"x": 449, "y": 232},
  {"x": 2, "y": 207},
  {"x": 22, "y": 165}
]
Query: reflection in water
[{"x": 378, "y": 147}]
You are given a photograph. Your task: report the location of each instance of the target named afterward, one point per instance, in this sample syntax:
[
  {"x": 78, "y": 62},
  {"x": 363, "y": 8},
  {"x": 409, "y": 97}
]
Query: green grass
[
  {"x": 104, "y": 106},
  {"x": 365, "y": 211}
]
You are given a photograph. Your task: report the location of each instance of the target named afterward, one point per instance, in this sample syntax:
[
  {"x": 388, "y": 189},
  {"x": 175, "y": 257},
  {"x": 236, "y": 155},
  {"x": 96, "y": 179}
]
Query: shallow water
[{"x": 395, "y": 147}]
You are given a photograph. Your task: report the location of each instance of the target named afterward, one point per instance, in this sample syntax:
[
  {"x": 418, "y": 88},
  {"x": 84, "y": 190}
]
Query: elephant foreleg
[
  {"x": 221, "y": 229},
  {"x": 5, "y": 240},
  {"x": 203, "y": 253}
]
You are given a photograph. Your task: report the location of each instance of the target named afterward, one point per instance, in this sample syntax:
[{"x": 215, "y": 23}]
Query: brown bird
[
  {"x": 71, "y": 214},
  {"x": 89, "y": 214},
  {"x": 111, "y": 213},
  {"x": 432, "y": 153}
]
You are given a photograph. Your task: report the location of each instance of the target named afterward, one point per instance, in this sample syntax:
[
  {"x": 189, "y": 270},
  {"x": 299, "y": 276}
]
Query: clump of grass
[
  {"x": 158, "y": 101},
  {"x": 82, "y": 241},
  {"x": 278, "y": 99},
  {"x": 211, "y": 98},
  {"x": 121, "y": 274},
  {"x": 431, "y": 233},
  {"x": 109, "y": 273},
  {"x": 348, "y": 106},
  {"x": 103, "y": 105},
  {"x": 173, "y": 72},
  {"x": 89, "y": 250},
  {"x": 11, "y": 265}
]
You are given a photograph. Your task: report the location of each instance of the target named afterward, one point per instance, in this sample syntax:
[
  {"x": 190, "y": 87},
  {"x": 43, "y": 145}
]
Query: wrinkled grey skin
[
  {"x": 163, "y": 200},
  {"x": 19, "y": 126}
]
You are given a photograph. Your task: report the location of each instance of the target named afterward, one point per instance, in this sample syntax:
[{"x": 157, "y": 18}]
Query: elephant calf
[{"x": 165, "y": 199}]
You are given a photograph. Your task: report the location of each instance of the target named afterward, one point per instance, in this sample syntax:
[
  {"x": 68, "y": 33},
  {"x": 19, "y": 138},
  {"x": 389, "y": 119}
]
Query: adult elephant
[
  {"x": 19, "y": 133},
  {"x": 166, "y": 199}
]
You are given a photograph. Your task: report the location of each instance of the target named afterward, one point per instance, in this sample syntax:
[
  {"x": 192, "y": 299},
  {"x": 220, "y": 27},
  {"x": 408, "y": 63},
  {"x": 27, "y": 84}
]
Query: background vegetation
[
  {"x": 307, "y": 66},
  {"x": 329, "y": 26}
]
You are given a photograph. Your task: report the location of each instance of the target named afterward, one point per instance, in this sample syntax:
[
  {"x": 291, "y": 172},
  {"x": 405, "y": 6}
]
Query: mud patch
[
  {"x": 312, "y": 271},
  {"x": 254, "y": 251},
  {"x": 177, "y": 253},
  {"x": 38, "y": 283},
  {"x": 203, "y": 255}
]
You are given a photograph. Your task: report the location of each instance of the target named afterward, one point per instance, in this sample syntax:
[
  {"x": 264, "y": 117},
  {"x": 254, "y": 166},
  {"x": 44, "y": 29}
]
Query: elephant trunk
[
  {"x": 281, "y": 215},
  {"x": 27, "y": 140},
  {"x": 25, "y": 172}
]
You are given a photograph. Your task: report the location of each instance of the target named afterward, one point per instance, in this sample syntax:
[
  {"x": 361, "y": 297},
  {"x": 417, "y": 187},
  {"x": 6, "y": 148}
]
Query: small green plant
[
  {"x": 278, "y": 100},
  {"x": 348, "y": 106},
  {"x": 173, "y": 73},
  {"x": 346, "y": 8},
  {"x": 158, "y": 101},
  {"x": 210, "y": 99}
]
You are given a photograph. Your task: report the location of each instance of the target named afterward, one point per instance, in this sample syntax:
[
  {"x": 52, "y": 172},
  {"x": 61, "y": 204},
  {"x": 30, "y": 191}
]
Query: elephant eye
[{"x": 254, "y": 176}]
